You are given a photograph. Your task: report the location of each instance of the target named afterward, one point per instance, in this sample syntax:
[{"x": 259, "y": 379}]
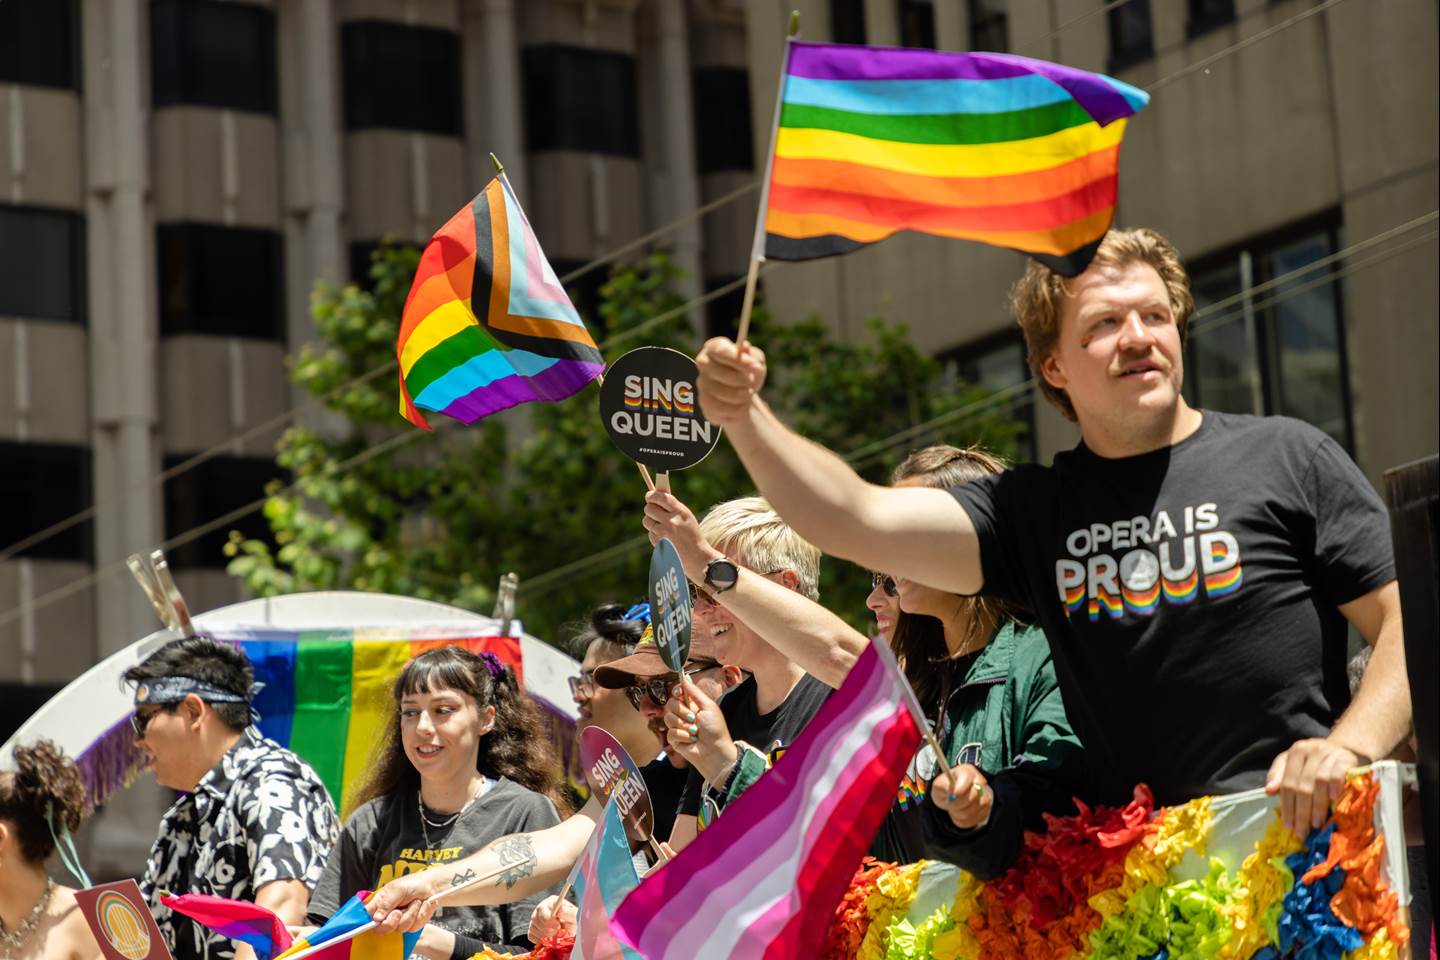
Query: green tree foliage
[{"x": 378, "y": 505}]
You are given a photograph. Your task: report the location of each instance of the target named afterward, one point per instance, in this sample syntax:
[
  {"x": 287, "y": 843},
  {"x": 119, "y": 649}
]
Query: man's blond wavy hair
[
  {"x": 750, "y": 532},
  {"x": 1038, "y": 297}
]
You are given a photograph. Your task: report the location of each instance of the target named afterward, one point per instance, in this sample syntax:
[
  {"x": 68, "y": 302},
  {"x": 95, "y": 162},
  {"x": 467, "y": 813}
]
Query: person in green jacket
[{"x": 986, "y": 682}]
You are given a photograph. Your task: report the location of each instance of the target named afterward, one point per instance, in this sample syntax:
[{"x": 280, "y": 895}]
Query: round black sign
[{"x": 650, "y": 410}]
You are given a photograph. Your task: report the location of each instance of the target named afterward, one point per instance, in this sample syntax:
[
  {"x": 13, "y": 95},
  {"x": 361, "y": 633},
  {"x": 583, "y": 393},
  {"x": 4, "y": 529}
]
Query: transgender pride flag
[
  {"x": 763, "y": 880},
  {"x": 604, "y": 874}
]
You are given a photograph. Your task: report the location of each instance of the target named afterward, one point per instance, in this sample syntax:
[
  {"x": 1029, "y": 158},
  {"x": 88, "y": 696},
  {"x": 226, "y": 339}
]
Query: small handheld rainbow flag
[
  {"x": 487, "y": 324},
  {"x": 1007, "y": 150}
]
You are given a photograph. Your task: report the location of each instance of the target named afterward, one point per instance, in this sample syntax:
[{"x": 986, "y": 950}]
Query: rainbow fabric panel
[
  {"x": 328, "y": 694},
  {"x": 1006, "y": 150},
  {"x": 487, "y": 325}
]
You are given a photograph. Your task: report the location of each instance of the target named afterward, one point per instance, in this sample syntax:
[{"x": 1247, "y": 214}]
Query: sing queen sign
[{"x": 650, "y": 410}]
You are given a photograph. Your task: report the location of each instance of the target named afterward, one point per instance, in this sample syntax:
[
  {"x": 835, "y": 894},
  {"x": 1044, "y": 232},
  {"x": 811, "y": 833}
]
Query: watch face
[{"x": 721, "y": 574}]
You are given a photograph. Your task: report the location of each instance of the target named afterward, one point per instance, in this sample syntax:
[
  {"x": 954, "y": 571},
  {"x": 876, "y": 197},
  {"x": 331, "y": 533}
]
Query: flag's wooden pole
[
  {"x": 749, "y": 302},
  {"x": 600, "y": 380},
  {"x": 757, "y": 249},
  {"x": 659, "y": 851},
  {"x": 569, "y": 882},
  {"x": 316, "y": 948},
  {"x": 939, "y": 752}
]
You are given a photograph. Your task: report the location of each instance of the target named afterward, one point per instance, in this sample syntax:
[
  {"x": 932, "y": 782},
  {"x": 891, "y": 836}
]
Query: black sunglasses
[
  {"x": 886, "y": 583},
  {"x": 658, "y": 688},
  {"x": 139, "y": 721}
]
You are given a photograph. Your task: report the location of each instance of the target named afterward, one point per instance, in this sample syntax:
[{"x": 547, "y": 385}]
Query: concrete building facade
[{"x": 175, "y": 174}]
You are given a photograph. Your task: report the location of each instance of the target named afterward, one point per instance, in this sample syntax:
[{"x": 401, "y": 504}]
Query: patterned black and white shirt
[{"x": 260, "y": 815}]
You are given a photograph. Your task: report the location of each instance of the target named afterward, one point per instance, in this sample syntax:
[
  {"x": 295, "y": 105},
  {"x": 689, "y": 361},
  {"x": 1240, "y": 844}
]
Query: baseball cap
[{"x": 645, "y": 662}]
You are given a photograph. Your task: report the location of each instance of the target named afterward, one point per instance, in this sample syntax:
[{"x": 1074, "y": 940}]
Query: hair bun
[
  {"x": 43, "y": 774},
  {"x": 608, "y": 620}
]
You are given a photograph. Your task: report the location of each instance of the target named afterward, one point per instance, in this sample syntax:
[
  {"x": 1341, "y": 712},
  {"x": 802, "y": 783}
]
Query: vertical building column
[
  {"x": 314, "y": 168},
  {"x": 490, "y": 67},
  {"x": 952, "y": 26},
  {"x": 882, "y": 23},
  {"x": 677, "y": 108},
  {"x": 124, "y": 367}
]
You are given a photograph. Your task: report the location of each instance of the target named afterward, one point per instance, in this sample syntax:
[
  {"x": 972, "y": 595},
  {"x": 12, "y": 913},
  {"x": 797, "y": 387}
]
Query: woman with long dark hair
[
  {"x": 42, "y": 797},
  {"x": 463, "y": 761}
]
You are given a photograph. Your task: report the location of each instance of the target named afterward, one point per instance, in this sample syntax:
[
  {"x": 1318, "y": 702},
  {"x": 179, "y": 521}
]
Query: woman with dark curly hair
[
  {"x": 464, "y": 761},
  {"x": 41, "y": 797}
]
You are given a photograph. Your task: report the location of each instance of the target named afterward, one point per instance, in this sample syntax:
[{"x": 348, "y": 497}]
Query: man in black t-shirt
[{"x": 1193, "y": 571}]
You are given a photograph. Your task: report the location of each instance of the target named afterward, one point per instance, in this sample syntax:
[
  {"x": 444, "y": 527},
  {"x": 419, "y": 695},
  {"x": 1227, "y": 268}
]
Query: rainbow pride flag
[
  {"x": 236, "y": 919},
  {"x": 487, "y": 325},
  {"x": 1007, "y": 150},
  {"x": 327, "y": 693},
  {"x": 763, "y": 880}
]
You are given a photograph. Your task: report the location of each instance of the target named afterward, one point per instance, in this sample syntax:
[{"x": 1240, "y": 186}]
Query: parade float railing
[
  {"x": 1218, "y": 878},
  {"x": 327, "y": 661}
]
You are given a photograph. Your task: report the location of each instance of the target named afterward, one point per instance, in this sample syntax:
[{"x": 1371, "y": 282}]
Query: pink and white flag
[{"x": 764, "y": 879}]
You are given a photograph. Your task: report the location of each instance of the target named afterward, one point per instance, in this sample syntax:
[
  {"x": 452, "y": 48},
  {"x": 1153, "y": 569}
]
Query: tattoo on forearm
[
  {"x": 517, "y": 855},
  {"x": 460, "y": 879}
]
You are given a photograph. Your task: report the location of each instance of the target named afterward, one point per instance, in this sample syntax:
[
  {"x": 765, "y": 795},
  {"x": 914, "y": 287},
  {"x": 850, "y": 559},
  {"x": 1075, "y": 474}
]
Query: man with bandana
[{"x": 253, "y": 821}]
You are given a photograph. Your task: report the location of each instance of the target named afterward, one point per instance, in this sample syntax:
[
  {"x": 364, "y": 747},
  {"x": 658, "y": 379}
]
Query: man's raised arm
[
  {"x": 917, "y": 533},
  {"x": 525, "y": 864}
]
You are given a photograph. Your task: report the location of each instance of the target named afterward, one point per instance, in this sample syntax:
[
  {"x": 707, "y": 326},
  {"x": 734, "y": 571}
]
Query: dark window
[
  {"x": 994, "y": 365},
  {"x": 989, "y": 26},
  {"x": 18, "y": 701},
  {"x": 42, "y": 264},
  {"x": 1274, "y": 350},
  {"x": 40, "y": 43},
  {"x": 208, "y": 492},
  {"x": 213, "y": 54},
  {"x": 847, "y": 21},
  {"x": 722, "y": 120},
  {"x": 917, "y": 23},
  {"x": 581, "y": 99},
  {"x": 42, "y": 484},
  {"x": 1131, "y": 39},
  {"x": 222, "y": 281},
  {"x": 1206, "y": 15},
  {"x": 400, "y": 77},
  {"x": 584, "y": 290},
  {"x": 722, "y": 315}
]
